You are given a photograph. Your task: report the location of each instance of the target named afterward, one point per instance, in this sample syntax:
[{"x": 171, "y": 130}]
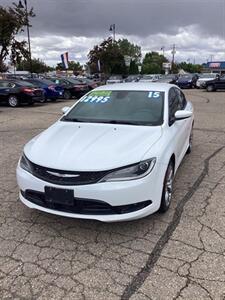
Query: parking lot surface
[{"x": 177, "y": 255}]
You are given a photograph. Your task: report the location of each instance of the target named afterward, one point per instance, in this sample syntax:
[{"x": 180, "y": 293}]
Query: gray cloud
[
  {"x": 132, "y": 17},
  {"x": 76, "y": 25}
]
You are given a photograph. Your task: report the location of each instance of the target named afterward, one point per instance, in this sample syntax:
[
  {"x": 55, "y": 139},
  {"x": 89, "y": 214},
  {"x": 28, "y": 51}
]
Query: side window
[
  {"x": 182, "y": 99},
  {"x": 174, "y": 105},
  {"x": 4, "y": 84},
  {"x": 11, "y": 84}
]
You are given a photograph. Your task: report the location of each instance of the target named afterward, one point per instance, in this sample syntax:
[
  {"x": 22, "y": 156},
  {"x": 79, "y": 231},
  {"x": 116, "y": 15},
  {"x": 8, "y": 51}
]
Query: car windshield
[
  {"x": 147, "y": 77},
  {"x": 207, "y": 75},
  {"x": 24, "y": 83},
  {"x": 188, "y": 77},
  {"x": 119, "y": 107},
  {"x": 74, "y": 81},
  {"x": 115, "y": 77},
  {"x": 45, "y": 81}
]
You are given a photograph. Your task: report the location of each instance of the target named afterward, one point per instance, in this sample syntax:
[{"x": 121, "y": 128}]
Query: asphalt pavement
[{"x": 177, "y": 255}]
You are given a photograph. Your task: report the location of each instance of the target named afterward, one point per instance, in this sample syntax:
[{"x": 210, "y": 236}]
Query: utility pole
[
  {"x": 173, "y": 55},
  {"x": 113, "y": 29},
  {"x": 28, "y": 33}
]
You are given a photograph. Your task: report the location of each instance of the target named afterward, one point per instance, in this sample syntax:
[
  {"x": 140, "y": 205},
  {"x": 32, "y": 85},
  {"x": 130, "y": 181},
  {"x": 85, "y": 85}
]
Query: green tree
[
  {"x": 75, "y": 66},
  {"x": 12, "y": 21},
  {"x": 132, "y": 50},
  {"x": 152, "y": 63},
  {"x": 133, "y": 67},
  {"x": 110, "y": 56},
  {"x": 38, "y": 66},
  {"x": 190, "y": 68}
]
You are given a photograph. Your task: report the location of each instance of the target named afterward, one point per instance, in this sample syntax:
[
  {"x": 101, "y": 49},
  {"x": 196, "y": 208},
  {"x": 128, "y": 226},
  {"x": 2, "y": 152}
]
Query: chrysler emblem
[{"x": 63, "y": 175}]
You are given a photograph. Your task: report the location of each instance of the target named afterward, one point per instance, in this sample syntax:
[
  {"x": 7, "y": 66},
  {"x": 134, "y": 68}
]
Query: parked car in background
[
  {"x": 15, "y": 92},
  {"x": 203, "y": 78},
  {"x": 170, "y": 78},
  {"x": 52, "y": 91},
  {"x": 133, "y": 78},
  {"x": 112, "y": 156},
  {"x": 187, "y": 81},
  {"x": 216, "y": 84},
  {"x": 72, "y": 87},
  {"x": 149, "y": 78},
  {"x": 114, "y": 79},
  {"x": 90, "y": 83}
]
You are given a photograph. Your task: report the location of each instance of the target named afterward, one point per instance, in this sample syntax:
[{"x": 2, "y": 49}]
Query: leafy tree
[
  {"x": 110, "y": 56},
  {"x": 75, "y": 66},
  {"x": 133, "y": 67},
  {"x": 12, "y": 21},
  {"x": 152, "y": 63},
  {"x": 38, "y": 66},
  {"x": 190, "y": 68},
  {"x": 132, "y": 50}
]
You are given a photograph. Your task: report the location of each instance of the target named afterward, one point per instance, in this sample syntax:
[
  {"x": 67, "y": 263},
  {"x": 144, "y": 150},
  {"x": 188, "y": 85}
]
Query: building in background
[{"x": 214, "y": 67}]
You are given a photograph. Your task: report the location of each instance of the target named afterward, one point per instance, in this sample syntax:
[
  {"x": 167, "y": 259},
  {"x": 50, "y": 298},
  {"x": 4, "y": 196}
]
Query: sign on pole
[{"x": 127, "y": 60}]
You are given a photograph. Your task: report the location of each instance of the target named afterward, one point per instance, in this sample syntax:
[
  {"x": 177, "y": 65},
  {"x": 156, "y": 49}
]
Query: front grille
[
  {"x": 61, "y": 177},
  {"x": 83, "y": 206}
]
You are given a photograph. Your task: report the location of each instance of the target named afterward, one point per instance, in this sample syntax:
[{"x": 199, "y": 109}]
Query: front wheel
[
  {"x": 190, "y": 142},
  {"x": 13, "y": 101},
  {"x": 67, "y": 95},
  {"x": 210, "y": 88},
  {"x": 43, "y": 100},
  {"x": 167, "y": 188}
]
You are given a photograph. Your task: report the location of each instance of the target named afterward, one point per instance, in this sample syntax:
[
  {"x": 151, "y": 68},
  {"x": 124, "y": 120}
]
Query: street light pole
[
  {"x": 113, "y": 29},
  {"x": 28, "y": 34}
]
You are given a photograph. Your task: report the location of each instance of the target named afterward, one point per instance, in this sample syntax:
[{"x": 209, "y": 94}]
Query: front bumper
[
  {"x": 185, "y": 85},
  {"x": 115, "y": 194}
]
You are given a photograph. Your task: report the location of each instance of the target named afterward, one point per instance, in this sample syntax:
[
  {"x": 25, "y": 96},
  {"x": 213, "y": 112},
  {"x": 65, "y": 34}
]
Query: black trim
[{"x": 83, "y": 205}]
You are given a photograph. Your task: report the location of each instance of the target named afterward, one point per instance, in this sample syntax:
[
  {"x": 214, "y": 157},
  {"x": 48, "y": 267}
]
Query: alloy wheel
[
  {"x": 168, "y": 185},
  {"x": 13, "y": 101}
]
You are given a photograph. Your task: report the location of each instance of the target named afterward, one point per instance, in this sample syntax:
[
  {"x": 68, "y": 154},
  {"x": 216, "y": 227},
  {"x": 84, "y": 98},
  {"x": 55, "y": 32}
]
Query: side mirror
[
  {"x": 182, "y": 114},
  {"x": 65, "y": 109}
]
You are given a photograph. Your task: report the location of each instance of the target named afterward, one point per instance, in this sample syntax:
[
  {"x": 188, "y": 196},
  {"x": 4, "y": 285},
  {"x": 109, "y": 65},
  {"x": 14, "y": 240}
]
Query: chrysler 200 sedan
[{"x": 112, "y": 156}]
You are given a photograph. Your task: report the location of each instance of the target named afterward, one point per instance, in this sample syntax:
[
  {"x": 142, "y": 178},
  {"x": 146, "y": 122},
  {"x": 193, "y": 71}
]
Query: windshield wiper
[
  {"x": 127, "y": 122},
  {"x": 72, "y": 120},
  {"x": 108, "y": 121}
]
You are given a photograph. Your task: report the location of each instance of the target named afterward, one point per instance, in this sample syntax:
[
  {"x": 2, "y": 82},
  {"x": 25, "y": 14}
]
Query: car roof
[{"x": 137, "y": 86}]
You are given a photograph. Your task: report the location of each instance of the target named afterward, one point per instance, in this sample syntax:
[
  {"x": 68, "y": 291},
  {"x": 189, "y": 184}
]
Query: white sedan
[{"x": 110, "y": 157}]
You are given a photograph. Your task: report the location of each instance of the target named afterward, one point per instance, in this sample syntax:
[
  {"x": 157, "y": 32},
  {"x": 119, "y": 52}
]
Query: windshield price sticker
[
  {"x": 97, "y": 97},
  {"x": 154, "y": 95}
]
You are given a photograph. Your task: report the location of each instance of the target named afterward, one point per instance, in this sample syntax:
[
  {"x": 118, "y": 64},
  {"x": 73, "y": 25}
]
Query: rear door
[{"x": 4, "y": 90}]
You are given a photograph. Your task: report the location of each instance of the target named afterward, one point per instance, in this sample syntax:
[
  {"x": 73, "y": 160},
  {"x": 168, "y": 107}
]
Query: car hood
[
  {"x": 114, "y": 80},
  {"x": 205, "y": 79},
  {"x": 184, "y": 80},
  {"x": 91, "y": 146}
]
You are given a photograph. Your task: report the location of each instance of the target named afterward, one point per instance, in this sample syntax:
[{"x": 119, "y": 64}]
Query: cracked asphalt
[{"x": 178, "y": 255}]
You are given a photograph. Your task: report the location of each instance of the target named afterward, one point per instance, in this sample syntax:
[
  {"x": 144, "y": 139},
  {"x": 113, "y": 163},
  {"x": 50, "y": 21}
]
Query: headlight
[
  {"x": 131, "y": 172},
  {"x": 25, "y": 164}
]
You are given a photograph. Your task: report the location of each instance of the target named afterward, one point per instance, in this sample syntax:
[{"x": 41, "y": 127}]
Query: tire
[
  {"x": 43, "y": 100},
  {"x": 167, "y": 188},
  {"x": 13, "y": 101},
  {"x": 67, "y": 95},
  {"x": 190, "y": 142},
  {"x": 210, "y": 88}
]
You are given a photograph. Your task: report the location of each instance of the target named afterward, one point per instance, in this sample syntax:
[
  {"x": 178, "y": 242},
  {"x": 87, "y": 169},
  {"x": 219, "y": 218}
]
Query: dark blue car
[
  {"x": 52, "y": 91},
  {"x": 187, "y": 81}
]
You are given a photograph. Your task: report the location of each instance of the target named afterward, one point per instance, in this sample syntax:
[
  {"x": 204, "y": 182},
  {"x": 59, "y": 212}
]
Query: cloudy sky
[{"x": 196, "y": 27}]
